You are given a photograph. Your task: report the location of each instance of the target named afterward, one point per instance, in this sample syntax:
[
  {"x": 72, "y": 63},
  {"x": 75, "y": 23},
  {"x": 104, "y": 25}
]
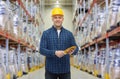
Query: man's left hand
[{"x": 71, "y": 52}]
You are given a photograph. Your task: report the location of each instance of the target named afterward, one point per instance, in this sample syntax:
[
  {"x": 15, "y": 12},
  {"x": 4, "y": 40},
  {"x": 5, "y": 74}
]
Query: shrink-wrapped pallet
[
  {"x": 2, "y": 64},
  {"x": 24, "y": 62},
  {"x": 114, "y": 16},
  {"x": 9, "y": 24},
  {"x": 3, "y": 14},
  {"x": 118, "y": 19},
  {"x": 2, "y": 71},
  {"x": 15, "y": 25},
  {"x": 115, "y": 64},
  {"x": 20, "y": 33},
  {"x": 11, "y": 63}
]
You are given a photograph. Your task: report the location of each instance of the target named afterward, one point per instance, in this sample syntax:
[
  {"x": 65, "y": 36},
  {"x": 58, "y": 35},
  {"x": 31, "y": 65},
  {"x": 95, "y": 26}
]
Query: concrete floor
[{"x": 76, "y": 74}]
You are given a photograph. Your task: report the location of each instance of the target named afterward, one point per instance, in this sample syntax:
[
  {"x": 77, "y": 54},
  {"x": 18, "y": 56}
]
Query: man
[{"x": 53, "y": 43}]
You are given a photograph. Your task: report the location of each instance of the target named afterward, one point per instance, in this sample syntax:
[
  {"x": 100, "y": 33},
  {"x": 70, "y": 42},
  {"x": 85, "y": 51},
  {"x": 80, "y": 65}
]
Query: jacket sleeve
[
  {"x": 73, "y": 43},
  {"x": 43, "y": 46}
]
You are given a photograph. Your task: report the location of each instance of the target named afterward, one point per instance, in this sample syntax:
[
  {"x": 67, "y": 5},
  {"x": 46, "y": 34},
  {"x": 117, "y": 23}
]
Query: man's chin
[{"x": 58, "y": 25}]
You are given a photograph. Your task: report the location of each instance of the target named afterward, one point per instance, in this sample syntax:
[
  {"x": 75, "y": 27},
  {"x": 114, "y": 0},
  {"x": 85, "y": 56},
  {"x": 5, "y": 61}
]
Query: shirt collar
[{"x": 56, "y": 29}]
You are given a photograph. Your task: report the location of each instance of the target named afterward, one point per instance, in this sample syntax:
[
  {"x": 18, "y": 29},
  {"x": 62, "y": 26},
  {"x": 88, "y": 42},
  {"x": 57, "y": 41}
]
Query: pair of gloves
[{"x": 70, "y": 50}]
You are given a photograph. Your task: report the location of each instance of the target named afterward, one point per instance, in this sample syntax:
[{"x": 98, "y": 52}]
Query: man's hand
[
  {"x": 59, "y": 53},
  {"x": 71, "y": 52}
]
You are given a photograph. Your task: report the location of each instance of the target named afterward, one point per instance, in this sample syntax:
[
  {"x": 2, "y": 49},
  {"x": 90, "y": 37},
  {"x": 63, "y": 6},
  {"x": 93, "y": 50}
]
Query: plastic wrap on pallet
[
  {"x": 78, "y": 38},
  {"x": 101, "y": 23},
  {"x": 87, "y": 62},
  {"x": 32, "y": 9},
  {"x": 115, "y": 5},
  {"x": 9, "y": 24},
  {"x": 29, "y": 33},
  {"x": 20, "y": 33},
  {"x": 37, "y": 55},
  {"x": 79, "y": 60},
  {"x": 90, "y": 62},
  {"x": 15, "y": 24},
  {"x": 101, "y": 20},
  {"x": 107, "y": 65},
  {"x": 12, "y": 68},
  {"x": 93, "y": 34},
  {"x": 24, "y": 31},
  {"x": 16, "y": 60},
  {"x": 29, "y": 61},
  {"x": 34, "y": 59},
  {"x": 2, "y": 65},
  {"x": 95, "y": 61},
  {"x": 115, "y": 64},
  {"x": 118, "y": 16},
  {"x": 3, "y": 53},
  {"x": 2, "y": 71},
  {"x": 6, "y": 18},
  {"x": 82, "y": 61},
  {"x": 34, "y": 36},
  {"x": 24, "y": 62},
  {"x": 3, "y": 14},
  {"x": 18, "y": 25},
  {"x": 102, "y": 62},
  {"x": 82, "y": 40}
]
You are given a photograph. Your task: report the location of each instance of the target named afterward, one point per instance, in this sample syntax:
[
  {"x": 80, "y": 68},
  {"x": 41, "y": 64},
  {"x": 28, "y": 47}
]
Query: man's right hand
[{"x": 59, "y": 53}]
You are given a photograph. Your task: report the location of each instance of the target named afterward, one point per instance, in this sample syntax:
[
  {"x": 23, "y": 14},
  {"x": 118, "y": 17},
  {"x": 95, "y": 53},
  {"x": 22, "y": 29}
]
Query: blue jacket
[{"x": 51, "y": 43}]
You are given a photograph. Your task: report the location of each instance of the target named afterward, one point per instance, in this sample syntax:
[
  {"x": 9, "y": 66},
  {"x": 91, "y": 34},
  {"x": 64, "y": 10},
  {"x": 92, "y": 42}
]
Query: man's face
[{"x": 57, "y": 20}]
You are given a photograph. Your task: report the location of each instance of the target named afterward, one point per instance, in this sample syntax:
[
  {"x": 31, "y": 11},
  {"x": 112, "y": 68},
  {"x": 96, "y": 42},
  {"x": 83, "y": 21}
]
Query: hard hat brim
[{"x": 57, "y": 15}]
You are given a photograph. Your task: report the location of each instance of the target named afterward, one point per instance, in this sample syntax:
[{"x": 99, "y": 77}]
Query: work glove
[{"x": 70, "y": 50}]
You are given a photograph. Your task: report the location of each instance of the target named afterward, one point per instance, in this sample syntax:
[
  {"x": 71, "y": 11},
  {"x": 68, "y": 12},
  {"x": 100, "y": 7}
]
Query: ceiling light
[{"x": 57, "y": 2}]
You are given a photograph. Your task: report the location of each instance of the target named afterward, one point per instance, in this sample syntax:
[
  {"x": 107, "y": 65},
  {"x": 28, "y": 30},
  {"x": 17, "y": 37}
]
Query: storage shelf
[
  {"x": 30, "y": 18},
  {"x": 14, "y": 41},
  {"x": 101, "y": 3},
  {"x": 98, "y": 2},
  {"x": 21, "y": 4},
  {"x": 107, "y": 35},
  {"x": 84, "y": 18}
]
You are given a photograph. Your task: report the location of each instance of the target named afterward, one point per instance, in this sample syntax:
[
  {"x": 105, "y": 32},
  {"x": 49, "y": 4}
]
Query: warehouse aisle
[{"x": 76, "y": 74}]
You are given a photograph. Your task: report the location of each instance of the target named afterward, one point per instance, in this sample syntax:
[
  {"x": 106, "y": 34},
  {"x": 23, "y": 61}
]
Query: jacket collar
[{"x": 56, "y": 29}]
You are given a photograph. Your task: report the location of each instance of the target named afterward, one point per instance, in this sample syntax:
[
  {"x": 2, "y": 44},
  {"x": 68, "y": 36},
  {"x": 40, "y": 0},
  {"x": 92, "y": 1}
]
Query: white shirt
[{"x": 58, "y": 31}]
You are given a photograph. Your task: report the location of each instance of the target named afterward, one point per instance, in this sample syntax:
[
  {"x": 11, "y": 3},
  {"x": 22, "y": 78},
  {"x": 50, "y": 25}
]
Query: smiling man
[{"x": 53, "y": 43}]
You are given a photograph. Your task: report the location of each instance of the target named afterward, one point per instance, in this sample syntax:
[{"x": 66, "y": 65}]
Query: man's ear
[{"x": 63, "y": 18}]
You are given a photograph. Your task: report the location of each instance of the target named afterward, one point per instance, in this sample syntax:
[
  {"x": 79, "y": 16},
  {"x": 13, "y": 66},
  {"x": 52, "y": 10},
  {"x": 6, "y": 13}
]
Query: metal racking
[
  {"x": 11, "y": 41},
  {"x": 101, "y": 42}
]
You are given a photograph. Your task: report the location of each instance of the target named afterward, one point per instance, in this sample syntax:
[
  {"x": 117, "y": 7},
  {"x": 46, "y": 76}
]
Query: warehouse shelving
[
  {"x": 14, "y": 41},
  {"x": 10, "y": 41},
  {"x": 107, "y": 35},
  {"x": 109, "y": 38},
  {"x": 21, "y": 4},
  {"x": 80, "y": 2},
  {"x": 80, "y": 22},
  {"x": 84, "y": 17},
  {"x": 27, "y": 13}
]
